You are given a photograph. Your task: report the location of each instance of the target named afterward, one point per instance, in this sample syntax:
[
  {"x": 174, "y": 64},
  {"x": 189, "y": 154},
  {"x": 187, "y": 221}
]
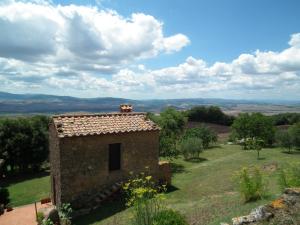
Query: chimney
[{"x": 126, "y": 108}]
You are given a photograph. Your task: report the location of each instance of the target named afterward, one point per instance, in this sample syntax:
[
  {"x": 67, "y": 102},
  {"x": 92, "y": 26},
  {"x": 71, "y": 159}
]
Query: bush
[
  {"x": 4, "y": 196},
  {"x": 207, "y": 136},
  {"x": 251, "y": 184},
  {"x": 65, "y": 211},
  {"x": 191, "y": 148},
  {"x": 169, "y": 217},
  {"x": 289, "y": 176},
  {"x": 40, "y": 216},
  {"x": 47, "y": 222},
  {"x": 144, "y": 196}
]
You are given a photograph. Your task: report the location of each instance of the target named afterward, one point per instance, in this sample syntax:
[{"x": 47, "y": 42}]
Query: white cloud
[
  {"x": 38, "y": 31},
  {"x": 79, "y": 49}
]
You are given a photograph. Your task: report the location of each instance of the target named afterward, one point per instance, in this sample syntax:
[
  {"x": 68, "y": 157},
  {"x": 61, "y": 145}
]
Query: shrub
[
  {"x": 289, "y": 176},
  {"x": 64, "y": 212},
  {"x": 191, "y": 148},
  {"x": 207, "y": 136},
  {"x": 144, "y": 196},
  {"x": 251, "y": 184},
  {"x": 40, "y": 216},
  {"x": 4, "y": 196},
  {"x": 169, "y": 217},
  {"x": 47, "y": 222}
]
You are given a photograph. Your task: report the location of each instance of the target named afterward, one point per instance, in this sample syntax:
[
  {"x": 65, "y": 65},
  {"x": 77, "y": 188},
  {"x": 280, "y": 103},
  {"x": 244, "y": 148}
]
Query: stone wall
[
  {"x": 54, "y": 157},
  {"x": 84, "y": 162}
]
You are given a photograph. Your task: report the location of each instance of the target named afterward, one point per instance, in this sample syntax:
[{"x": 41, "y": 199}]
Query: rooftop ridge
[{"x": 99, "y": 114}]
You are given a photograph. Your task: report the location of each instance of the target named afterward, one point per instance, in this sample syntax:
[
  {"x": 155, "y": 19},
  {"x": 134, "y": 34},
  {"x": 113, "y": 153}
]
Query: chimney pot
[{"x": 126, "y": 108}]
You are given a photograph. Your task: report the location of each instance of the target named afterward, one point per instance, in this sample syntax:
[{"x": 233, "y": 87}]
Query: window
[{"x": 114, "y": 157}]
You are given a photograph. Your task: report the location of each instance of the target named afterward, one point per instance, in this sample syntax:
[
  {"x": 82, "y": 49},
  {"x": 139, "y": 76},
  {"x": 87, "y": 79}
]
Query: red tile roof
[{"x": 99, "y": 124}]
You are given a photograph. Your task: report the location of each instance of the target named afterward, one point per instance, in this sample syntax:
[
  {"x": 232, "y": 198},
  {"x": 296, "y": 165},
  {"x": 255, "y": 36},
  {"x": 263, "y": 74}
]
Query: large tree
[
  {"x": 254, "y": 126},
  {"x": 24, "y": 143},
  {"x": 172, "y": 123}
]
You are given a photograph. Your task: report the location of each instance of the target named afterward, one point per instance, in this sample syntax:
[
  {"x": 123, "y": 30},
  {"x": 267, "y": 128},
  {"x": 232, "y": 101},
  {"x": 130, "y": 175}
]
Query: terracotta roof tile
[{"x": 98, "y": 124}]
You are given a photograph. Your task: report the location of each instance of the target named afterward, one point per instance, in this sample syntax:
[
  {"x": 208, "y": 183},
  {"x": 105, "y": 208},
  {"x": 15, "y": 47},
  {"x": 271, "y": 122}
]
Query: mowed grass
[
  {"x": 203, "y": 190},
  {"x": 28, "y": 191}
]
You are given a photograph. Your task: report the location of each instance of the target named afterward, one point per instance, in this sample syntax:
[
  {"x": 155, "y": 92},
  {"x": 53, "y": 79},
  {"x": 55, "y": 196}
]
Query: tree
[
  {"x": 211, "y": 114},
  {"x": 295, "y": 135},
  {"x": 284, "y": 139},
  {"x": 23, "y": 143},
  {"x": 254, "y": 125},
  {"x": 191, "y": 148},
  {"x": 172, "y": 124},
  {"x": 254, "y": 144},
  {"x": 206, "y": 135}
]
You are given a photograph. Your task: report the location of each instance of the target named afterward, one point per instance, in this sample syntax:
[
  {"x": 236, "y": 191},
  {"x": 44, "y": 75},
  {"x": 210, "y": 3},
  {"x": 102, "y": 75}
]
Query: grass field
[
  {"x": 29, "y": 190},
  {"x": 203, "y": 191}
]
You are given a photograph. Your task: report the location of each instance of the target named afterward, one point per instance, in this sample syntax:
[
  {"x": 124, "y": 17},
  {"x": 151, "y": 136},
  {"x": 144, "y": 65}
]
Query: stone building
[{"x": 91, "y": 152}]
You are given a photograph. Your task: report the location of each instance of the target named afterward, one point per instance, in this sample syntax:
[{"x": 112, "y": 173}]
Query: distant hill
[{"x": 51, "y": 104}]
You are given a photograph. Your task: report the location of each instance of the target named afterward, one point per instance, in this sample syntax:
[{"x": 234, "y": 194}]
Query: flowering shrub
[{"x": 146, "y": 198}]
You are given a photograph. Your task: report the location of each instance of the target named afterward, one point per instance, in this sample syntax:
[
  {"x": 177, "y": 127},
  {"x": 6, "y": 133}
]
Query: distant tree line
[
  {"x": 286, "y": 118},
  {"x": 23, "y": 143},
  {"x": 210, "y": 114}
]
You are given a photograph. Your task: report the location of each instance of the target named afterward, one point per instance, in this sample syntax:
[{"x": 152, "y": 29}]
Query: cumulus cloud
[
  {"x": 82, "y": 49},
  {"x": 38, "y": 31}
]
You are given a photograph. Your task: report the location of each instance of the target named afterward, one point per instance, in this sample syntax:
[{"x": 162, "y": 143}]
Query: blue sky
[
  {"x": 174, "y": 49},
  {"x": 219, "y": 30}
]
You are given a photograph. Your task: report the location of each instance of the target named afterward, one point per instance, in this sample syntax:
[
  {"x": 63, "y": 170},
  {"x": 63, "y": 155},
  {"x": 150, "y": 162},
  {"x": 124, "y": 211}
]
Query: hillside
[{"x": 51, "y": 104}]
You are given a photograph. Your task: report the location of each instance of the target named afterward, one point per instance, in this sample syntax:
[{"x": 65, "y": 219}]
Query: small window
[{"x": 114, "y": 157}]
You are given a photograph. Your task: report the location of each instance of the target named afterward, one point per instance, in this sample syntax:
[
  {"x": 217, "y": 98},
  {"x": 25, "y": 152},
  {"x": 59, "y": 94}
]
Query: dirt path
[{"x": 23, "y": 215}]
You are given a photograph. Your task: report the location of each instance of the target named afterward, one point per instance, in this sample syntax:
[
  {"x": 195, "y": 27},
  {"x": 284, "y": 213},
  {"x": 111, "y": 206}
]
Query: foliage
[
  {"x": 286, "y": 118},
  {"x": 145, "y": 198},
  {"x": 191, "y": 147},
  {"x": 40, "y": 217},
  {"x": 211, "y": 114},
  {"x": 172, "y": 123},
  {"x": 254, "y": 144},
  {"x": 254, "y": 125},
  {"x": 23, "y": 143},
  {"x": 207, "y": 136},
  {"x": 4, "y": 196},
  {"x": 169, "y": 217},
  {"x": 289, "y": 176},
  {"x": 251, "y": 184},
  {"x": 284, "y": 139},
  {"x": 65, "y": 211},
  {"x": 295, "y": 133},
  {"x": 47, "y": 222}
]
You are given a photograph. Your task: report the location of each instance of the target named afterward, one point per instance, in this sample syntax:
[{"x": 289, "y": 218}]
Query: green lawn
[
  {"x": 29, "y": 190},
  {"x": 204, "y": 191}
]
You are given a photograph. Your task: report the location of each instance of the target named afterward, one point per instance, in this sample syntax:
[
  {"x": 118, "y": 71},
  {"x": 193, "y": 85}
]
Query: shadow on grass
[
  {"x": 23, "y": 177},
  {"x": 107, "y": 210},
  {"x": 291, "y": 152},
  {"x": 177, "y": 168},
  {"x": 261, "y": 158},
  {"x": 196, "y": 160},
  {"x": 171, "y": 189}
]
